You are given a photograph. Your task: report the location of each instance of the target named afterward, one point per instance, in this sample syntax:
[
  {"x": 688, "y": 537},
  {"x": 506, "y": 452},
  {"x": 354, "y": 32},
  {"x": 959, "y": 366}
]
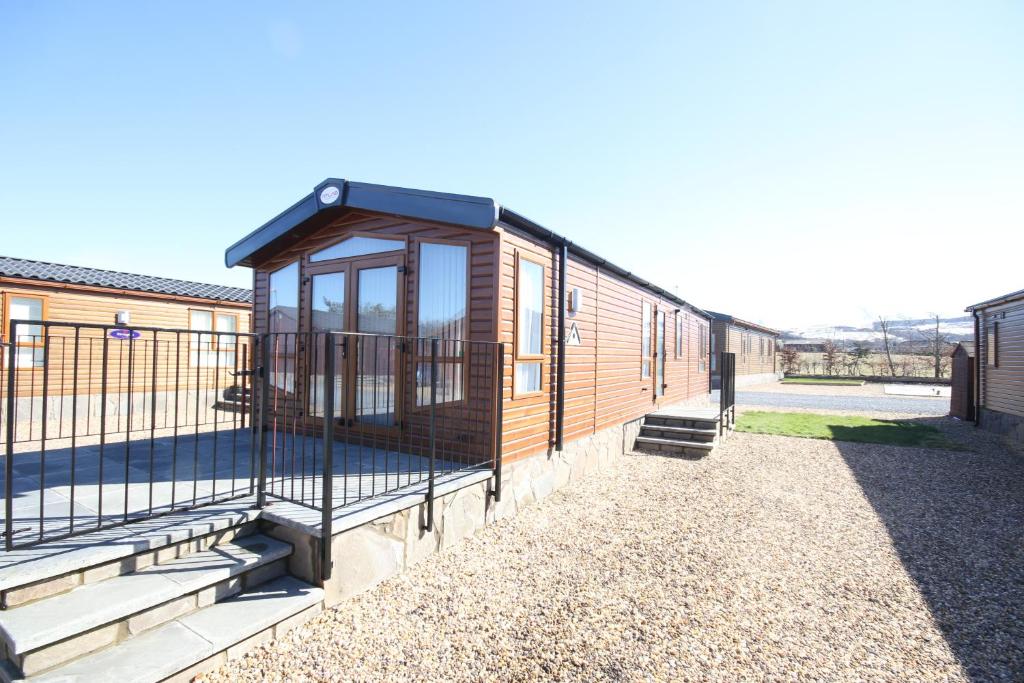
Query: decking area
[{"x": 63, "y": 491}]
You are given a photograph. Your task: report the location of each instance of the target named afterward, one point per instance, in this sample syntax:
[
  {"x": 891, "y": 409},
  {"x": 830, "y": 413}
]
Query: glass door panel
[
  {"x": 377, "y": 354},
  {"x": 327, "y": 314}
]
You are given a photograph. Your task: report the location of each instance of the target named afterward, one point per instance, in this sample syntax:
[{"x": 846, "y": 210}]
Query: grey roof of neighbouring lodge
[
  {"x": 317, "y": 209},
  {"x": 725, "y": 317},
  {"x": 110, "y": 279},
  {"x": 1005, "y": 298}
]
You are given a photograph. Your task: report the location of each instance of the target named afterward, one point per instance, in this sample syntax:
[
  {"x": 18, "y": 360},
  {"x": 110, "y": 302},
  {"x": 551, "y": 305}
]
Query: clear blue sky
[{"x": 794, "y": 163}]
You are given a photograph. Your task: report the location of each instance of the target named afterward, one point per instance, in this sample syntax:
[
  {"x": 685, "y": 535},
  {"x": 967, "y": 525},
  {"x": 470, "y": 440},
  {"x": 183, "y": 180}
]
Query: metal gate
[{"x": 727, "y": 392}]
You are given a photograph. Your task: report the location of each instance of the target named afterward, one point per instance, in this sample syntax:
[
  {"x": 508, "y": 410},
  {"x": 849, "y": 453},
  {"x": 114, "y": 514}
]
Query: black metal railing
[
  {"x": 727, "y": 392},
  {"x": 104, "y": 425},
  {"x": 350, "y": 417}
]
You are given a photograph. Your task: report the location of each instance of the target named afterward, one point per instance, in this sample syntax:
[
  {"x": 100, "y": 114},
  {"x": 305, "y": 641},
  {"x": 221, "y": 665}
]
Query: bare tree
[
  {"x": 858, "y": 354},
  {"x": 830, "y": 355},
  {"x": 887, "y": 344},
  {"x": 790, "y": 358},
  {"x": 936, "y": 344}
]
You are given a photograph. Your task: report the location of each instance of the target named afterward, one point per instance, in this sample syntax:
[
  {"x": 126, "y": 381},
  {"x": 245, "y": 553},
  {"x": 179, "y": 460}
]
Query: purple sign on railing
[{"x": 124, "y": 334}]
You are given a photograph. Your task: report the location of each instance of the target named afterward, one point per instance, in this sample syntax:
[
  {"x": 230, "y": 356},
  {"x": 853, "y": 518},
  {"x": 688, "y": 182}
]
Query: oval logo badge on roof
[{"x": 329, "y": 194}]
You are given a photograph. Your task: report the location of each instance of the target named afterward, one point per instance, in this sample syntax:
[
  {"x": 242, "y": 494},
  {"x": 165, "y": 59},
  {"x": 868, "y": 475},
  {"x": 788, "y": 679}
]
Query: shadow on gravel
[{"x": 956, "y": 518}]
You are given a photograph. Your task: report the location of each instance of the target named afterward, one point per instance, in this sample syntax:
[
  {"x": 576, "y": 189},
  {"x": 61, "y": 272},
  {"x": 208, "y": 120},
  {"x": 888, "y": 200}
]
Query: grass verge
[
  {"x": 842, "y": 428},
  {"x": 824, "y": 382}
]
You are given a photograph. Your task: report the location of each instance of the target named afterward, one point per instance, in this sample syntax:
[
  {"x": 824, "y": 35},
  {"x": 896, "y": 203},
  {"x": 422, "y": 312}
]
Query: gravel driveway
[
  {"x": 772, "y": 559},
  {"x": 880, "y": 404}
]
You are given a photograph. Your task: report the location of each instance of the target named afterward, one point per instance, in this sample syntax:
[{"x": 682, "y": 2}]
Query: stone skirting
[
  {"x": 1009, "y": 425},
  {"x": 368, "y": 554}
]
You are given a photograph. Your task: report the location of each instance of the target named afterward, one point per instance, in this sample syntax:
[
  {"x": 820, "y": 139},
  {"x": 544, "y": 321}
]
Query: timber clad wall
[
  {"x": 604, "y": 386},
  {"x": 755, "y": 351},
  {"x": 1002, "y": 384},
  {"x": 73, "y": 304}
]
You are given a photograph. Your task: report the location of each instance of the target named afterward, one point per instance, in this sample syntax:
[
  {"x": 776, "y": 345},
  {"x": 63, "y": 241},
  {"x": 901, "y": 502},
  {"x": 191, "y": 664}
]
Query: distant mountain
[{"x": 900, "y": 331}]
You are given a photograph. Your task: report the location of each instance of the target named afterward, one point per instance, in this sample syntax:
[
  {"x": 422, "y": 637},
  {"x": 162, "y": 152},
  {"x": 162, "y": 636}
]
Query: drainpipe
[
  {"x": 977, "y": 368},
  {"x": 560, "y": 392}
]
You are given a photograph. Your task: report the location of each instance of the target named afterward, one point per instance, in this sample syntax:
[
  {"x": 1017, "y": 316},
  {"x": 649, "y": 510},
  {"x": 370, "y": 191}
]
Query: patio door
[
  {"x": 362, "y": 295},
  {"x": 659, "y": 354}
]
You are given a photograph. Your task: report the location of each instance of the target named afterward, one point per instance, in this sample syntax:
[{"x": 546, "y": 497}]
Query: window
[
  {"x": 283, "y": 300},
  {"x": 283, "y": 317},
  {"x": 442, "y": 297},
  {"x": 645, "y": 340},
  {"x": 357, "y": 246},
  {"x": 702, "y": 347},
  {"x": 992, "y": 345},
  {"x": 29, "y": 340},
  {"x": 529, "y": 365},
  {"x": 679, "y": 336},
  {"x": 714, "y": 352},
  {"x": 214, "y": 350}
]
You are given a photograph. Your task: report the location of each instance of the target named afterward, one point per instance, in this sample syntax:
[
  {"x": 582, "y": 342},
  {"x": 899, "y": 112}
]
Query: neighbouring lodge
[
  {"x": 755, "y": 347},
  {"x": 66, "y": 297},
  {"x": 379, "y": 260},
  {"x": 998, "y": 377},
  {"x": 100, "y": 334}
]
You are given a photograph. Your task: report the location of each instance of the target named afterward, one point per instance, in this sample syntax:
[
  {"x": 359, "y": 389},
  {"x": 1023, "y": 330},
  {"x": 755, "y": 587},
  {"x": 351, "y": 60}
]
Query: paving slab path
[{"x": 773, "y": 559}]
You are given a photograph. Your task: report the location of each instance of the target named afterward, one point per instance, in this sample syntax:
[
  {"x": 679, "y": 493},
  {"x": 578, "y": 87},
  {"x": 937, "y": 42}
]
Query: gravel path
[
  {"x": 882, "y": 404},
  {"x": 772, "y": 559}
]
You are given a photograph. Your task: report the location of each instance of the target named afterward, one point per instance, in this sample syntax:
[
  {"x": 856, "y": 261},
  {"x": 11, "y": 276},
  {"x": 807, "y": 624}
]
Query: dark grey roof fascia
[
  {"x": 58, "y": 273},
  {"x": 725, "y": 317},
  {"x": 441, "y": 207},
  {"x": 1004, "y": 299}
]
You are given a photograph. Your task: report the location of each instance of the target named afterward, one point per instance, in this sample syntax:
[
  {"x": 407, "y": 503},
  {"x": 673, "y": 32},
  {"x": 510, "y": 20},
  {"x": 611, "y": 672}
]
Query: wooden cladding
[
  {"x": 64, "y": 304},
  {"x": 605, "y": 382},
  {"x": 755, "y": 351},
  {"x": 1001, "y": 349}
]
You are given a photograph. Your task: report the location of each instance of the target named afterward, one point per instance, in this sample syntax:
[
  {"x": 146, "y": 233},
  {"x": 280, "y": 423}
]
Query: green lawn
[
  {"x": 826, "y": 382},
  {"x": 842, "y": 428}
]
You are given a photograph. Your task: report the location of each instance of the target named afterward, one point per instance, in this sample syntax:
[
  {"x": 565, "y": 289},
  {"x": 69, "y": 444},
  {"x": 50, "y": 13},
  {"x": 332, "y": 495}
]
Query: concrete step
[
  {"x": 683, "y": 433},
  {"x": 34, "y": 573},
  {"x": 49, "y": 632},
  {"x": 673, "y": 446},
  {"x": 200, "y": 641},
  {"x": 691, "y": 422}
]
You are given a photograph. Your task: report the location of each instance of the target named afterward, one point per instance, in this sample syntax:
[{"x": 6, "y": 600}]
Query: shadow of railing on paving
[{"x": 956, "y": 519}]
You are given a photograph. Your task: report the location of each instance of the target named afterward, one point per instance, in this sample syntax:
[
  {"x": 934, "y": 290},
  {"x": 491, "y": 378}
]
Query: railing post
[
  {"x": 499, "y": 381},
  {"x": 261, "y": 427},
  {"x": 12, "y": 356},
  {"x": 433, "y": 435},
  {"x": 327, "y": 481},
  {"x": 723, "y": 373}
]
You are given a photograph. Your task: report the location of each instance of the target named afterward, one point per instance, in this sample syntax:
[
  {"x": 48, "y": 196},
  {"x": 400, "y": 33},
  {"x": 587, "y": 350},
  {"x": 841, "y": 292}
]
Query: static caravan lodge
[
  {"x": 393, "y": 269},
  {"x": 999, "y": 364},
  {"x": 755, "y": 347},
  {"x": 114, "y": 340}
]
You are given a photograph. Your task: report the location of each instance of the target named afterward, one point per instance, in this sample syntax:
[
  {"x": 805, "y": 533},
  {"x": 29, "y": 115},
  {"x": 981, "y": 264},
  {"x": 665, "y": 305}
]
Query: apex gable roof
[{"x": 320, "y": 206}]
